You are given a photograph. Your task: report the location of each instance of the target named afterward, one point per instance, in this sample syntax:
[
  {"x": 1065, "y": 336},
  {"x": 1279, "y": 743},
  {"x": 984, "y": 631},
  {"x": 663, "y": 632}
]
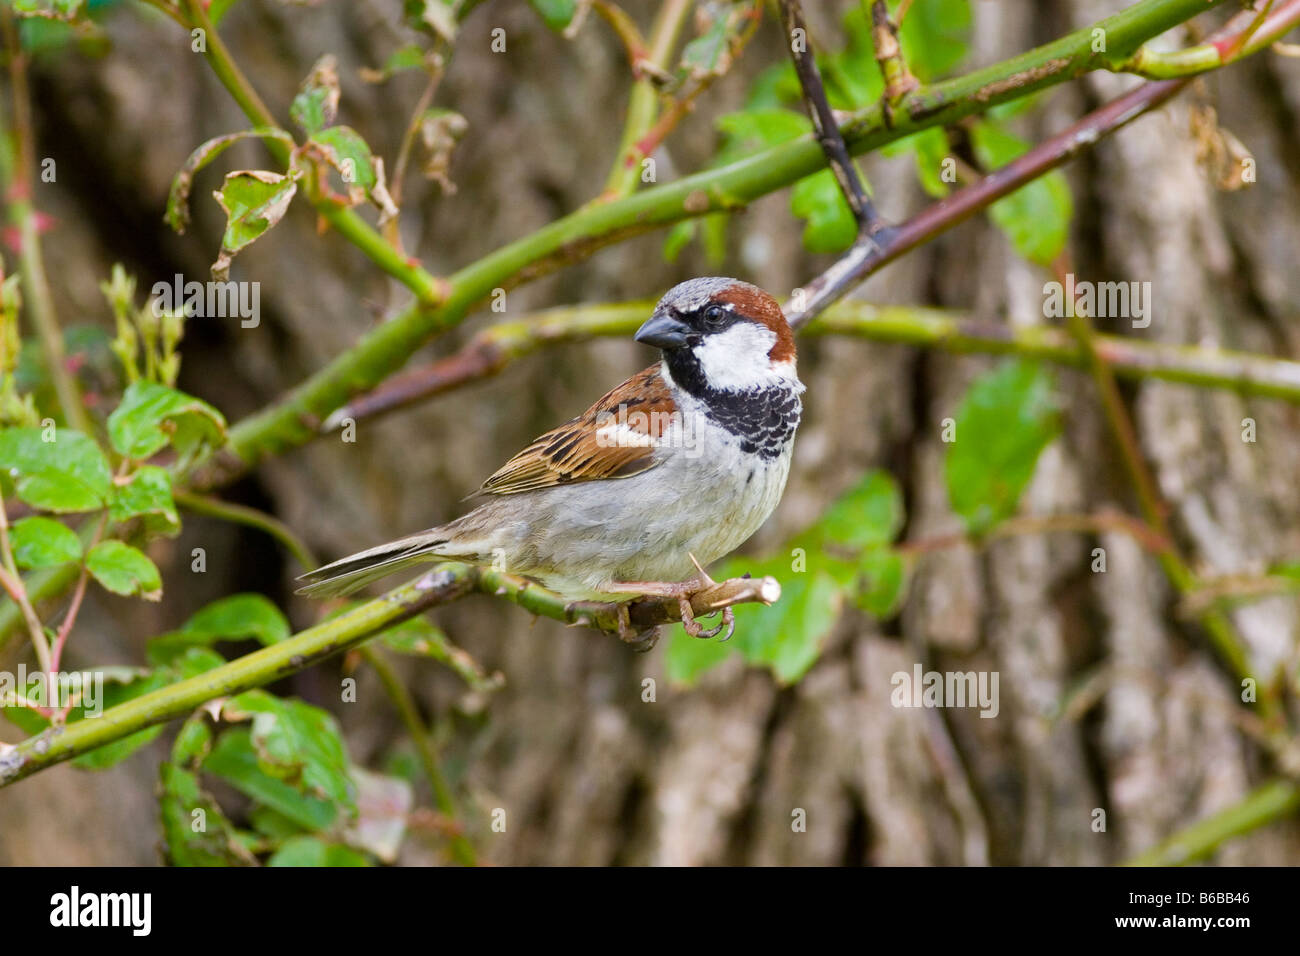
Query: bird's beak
[{"x": 663, "y": 331}]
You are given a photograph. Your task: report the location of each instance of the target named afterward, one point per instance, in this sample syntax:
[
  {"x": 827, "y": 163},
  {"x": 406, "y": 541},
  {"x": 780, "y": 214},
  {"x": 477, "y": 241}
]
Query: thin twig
[
  {"x": 251, "y": 517},
  {"x": 825, "y": 127}
]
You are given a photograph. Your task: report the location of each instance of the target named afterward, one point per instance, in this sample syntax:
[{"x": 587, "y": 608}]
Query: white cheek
[{"x": 737, "y": 358}]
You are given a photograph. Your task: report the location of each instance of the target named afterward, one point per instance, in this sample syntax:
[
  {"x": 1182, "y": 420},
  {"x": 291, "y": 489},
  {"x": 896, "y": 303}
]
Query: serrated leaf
[
  {"x": 178, "y": 199},
  {"x": 1036, "y": 217},
  {"x": 124, "y": 570},
  {"x": 195, "y": 830},
  {"x": 317, "y": 103},
  {"x": 68, "y": 474},
  {"x": 1006, "y": 419},
  {"x": 313, "y": 851},
  {"x": 556, "y": 14},
  {"x": 43, "y": 543},
  {"x": 234, "y": 760},
  {"x": 297, "y": 743},
  {"x": 151, "y": 415},
  {"x": 254, "y": 200},
  {"x": 148, "y": 496}
]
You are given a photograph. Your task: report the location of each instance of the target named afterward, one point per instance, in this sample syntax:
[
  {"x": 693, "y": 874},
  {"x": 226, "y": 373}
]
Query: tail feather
[{"x": 357, "y": 570}]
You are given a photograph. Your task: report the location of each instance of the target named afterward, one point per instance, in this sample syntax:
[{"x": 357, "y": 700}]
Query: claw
[{"x": 729, "y": 622}]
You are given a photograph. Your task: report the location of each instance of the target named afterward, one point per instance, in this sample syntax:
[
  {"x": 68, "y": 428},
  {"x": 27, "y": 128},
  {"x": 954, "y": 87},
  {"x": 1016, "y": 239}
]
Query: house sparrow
[{"x": 671, "y": 470}]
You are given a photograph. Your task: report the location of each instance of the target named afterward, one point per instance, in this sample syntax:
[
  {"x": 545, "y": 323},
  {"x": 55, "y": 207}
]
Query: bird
[{"x": 666, "y": 473}]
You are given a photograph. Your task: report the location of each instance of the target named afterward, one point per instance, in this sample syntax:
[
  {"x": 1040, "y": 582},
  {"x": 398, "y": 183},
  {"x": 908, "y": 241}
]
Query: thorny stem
[{"x": 462, "y": 850}]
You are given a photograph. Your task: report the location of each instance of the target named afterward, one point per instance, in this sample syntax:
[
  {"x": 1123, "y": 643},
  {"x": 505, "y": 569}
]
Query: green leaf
[
  {"x": 239, "y": 616},
  {"x": 868, "y": 514},
  {"x": 750, "y": 131},
  {"x": 347, "y": 152},
  {"x": 1036, "y": 217},
  {"x": 124, "y": 570},
  {"x": 178, "y": 199},
  {"x": 219, "y": 9},
  {"x": 254, "y": 200},
  {"x": 43, "y": 543},
  {"x": 233, "y": 618},
  {"x": 297, "y": 743},
  {"x": 312, "y": 851},
  {"x": 317, "y": 103},
  {"x": 931, "y": 152},
  {"x": 788, "y": 636},
  {"x": 557, "y": 14},
  {"x": 829, "y": 225},
  {"x": 67, "y": 474},
  {"x": 151, "y": 415},
  {"x": 935, "y": 37},
  {"x": 195, "y": 830},
  {"x": 235, "y": 760},
  {"x": 384, "y": 804},
  {"x": 148, "y": 496},
  {"x": 883, "y": 582},
  {"x": 1006, "y": 419}
]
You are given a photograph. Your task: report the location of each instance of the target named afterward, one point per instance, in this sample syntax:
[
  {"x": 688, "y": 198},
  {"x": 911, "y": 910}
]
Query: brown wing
[{"x": 615, "y": 438}]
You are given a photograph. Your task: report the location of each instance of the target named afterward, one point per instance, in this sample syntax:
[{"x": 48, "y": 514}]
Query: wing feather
[{"x": 616, "y": 438}]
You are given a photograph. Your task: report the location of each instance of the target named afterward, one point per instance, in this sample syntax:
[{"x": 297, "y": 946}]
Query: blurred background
[{"x": 1109, "y": 698}]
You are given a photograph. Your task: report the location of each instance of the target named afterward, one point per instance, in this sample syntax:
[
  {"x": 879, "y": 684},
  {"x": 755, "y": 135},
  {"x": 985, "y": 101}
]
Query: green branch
[
  {"x": 443, "y": 584},
  {"x": 1273, "y": 801}
]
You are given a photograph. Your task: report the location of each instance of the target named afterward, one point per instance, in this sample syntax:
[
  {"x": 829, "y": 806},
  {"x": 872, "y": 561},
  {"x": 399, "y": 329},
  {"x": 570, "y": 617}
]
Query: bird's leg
[{"x": 682, "y": 591}]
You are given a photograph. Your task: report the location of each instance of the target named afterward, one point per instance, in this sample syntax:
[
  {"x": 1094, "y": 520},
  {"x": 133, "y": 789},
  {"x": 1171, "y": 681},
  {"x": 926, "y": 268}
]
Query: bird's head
[{"x": 728, "y": 334}]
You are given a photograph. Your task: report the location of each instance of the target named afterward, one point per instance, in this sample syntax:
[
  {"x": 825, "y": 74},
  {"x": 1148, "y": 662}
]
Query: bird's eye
[{"x": 715, "y": 315}]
